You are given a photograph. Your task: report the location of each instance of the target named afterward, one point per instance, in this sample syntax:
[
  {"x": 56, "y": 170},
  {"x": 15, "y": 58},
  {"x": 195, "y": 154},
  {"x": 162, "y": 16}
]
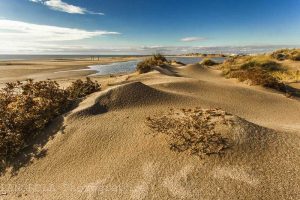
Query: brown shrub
[
  {"x": 26, "y": 109},
  {"x": 79, "y": 88}
]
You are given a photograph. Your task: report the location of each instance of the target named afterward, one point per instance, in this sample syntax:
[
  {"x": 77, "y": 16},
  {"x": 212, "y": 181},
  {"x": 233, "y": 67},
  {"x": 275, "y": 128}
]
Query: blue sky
[{"x": 144, "y": 26}]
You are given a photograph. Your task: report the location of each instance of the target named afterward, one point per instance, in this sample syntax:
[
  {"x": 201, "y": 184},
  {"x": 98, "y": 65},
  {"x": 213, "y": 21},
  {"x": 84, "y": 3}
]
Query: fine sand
[{"x": 105, "y": 150}]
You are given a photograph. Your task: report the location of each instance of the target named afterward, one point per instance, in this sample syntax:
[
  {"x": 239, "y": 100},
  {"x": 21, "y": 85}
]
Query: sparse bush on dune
[
  {"x": 286, "y": 54},
  {"x": 148, "y": 64},
  {"x": 26, "y": 109},
  {"x": 208, "y": 62}
]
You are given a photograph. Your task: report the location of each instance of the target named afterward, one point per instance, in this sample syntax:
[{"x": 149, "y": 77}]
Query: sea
[{"x": 130, "y": 66}]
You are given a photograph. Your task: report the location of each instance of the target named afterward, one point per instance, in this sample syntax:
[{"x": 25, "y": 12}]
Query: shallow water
[{"x": 130, "y": 66}]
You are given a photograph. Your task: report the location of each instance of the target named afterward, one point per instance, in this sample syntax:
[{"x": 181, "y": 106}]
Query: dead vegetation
[
  {"x": 26, "y": 108},
  {"x": 198, "y": 131}
]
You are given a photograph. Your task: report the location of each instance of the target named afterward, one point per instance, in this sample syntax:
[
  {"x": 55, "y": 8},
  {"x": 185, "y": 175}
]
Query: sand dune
[{"x": 107, "y": 151}]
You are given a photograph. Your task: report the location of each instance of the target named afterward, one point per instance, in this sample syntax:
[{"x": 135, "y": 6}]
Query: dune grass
[
  {"x": 286, "y": 54},
  {"x": 26, "y": 108},
  {"x": 208, "y": 62},
  {"x": 148, "y": 64},
  {"x": 261, "y": 70}
]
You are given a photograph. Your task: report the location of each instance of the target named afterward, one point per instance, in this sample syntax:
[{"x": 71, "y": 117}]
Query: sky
[{"x": 146, "y": 26}]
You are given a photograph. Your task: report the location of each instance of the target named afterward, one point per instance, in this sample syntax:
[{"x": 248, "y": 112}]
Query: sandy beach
[
  {"x": 48, "y": 69},
  {"x": 103, "y": 149}
]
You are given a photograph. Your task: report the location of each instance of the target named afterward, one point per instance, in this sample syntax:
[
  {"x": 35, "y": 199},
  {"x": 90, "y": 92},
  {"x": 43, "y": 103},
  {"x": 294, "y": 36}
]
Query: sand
[
  {"x": 48, "y": 69},
  {"x": 106, "y": 150}
]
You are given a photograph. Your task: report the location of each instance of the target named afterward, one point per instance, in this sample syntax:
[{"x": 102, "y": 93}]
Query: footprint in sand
[{"x": 235, "y": 173}]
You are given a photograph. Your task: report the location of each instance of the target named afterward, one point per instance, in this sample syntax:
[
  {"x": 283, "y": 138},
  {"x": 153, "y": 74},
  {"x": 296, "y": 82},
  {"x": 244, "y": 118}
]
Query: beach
[
  {"x": 104, "y": 149},
  {"x": 42, "y": 69}
]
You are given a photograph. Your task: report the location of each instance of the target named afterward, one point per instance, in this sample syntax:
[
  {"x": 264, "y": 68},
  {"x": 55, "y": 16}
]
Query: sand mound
[
  {"x": 195, "y": 68},
  {"x": 199, "y": 71},
  {"x": 167, "y": 70},
  {"x": 205, "y": 131},
  {"x": 134, "y": 94}
]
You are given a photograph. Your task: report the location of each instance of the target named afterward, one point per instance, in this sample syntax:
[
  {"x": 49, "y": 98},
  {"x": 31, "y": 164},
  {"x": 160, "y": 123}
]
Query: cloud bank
[
  {"x": 18, "y": 37},
  {"x": 22, "y": 36},
  {"x": 59, "y": 5}
]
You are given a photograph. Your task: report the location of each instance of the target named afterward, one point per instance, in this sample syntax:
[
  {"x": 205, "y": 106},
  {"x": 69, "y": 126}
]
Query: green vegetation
[
  {"x": 27, "y": 108},
  {"x": 286, "y": 54},
  {"x": 208, "y": 62},
  {"x": 148, "y": 64}
]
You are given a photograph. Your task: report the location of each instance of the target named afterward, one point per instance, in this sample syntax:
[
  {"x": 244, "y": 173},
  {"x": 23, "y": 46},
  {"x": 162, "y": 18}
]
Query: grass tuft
[
  {"x": 286, "y": 54},
  {"x": 148, "y": 64},
  {"x": 208, "y": 62}
]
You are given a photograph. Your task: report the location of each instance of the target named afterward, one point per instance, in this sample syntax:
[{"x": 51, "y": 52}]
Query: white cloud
[
  {"x": 192, "y": 39},
  {"x": 59, "y": 5},
  {"x": 21, "y": 36}
]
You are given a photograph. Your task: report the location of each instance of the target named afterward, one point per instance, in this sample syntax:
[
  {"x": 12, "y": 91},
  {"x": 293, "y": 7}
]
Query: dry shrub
[
  {"x": 198, "y": 131},
  {"x": 208, "y": 62},
  {"x": 27, "y": 108},
  {"x": 79, "y": 88},
  {"x": 147, "y": 65}
]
